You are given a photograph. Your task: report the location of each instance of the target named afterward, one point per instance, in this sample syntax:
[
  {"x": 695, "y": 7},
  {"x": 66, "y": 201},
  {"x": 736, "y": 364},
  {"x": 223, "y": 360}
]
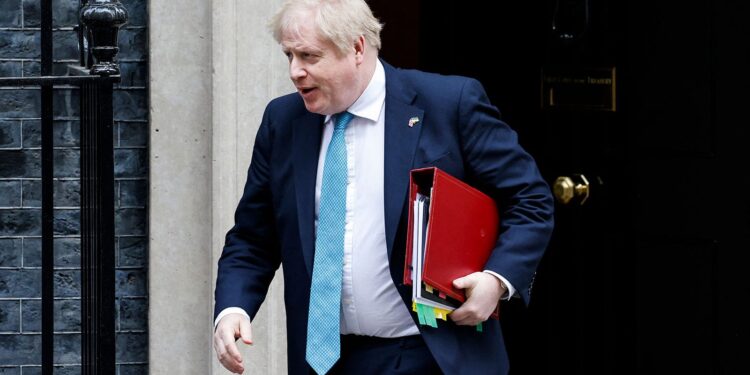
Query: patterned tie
[{"x": 323, "y": 346}]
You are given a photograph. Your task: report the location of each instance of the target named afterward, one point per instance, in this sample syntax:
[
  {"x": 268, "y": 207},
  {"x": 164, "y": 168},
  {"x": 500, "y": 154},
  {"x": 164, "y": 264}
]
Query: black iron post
[
  {"x": 102, "y": 20},
  {"x": 48, "y": 165}
]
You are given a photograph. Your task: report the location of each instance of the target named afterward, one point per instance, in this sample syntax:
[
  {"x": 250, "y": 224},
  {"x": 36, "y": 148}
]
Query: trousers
[{"x": 367, "y": 355}]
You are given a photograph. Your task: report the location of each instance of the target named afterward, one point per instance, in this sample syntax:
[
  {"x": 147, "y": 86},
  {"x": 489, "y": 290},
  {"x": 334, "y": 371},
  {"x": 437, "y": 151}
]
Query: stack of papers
[
  {"x": 423, "y": 293},
  {"x": 464, "y": 224}
]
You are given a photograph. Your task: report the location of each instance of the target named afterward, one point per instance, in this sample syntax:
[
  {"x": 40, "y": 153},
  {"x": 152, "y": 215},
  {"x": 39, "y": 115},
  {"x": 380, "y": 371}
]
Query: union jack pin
[{"x": 413, "y": 121}]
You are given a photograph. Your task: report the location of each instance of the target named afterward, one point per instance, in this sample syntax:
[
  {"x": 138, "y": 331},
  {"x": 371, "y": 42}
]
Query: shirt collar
[{"x": 369, "y": 104}]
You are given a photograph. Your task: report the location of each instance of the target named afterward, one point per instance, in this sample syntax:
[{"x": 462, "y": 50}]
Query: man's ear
[{"x": 359, "y": 49}]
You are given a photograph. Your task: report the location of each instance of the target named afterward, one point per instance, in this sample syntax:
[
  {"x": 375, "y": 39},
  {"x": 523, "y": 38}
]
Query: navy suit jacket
[{"x": 460, "y": 132}]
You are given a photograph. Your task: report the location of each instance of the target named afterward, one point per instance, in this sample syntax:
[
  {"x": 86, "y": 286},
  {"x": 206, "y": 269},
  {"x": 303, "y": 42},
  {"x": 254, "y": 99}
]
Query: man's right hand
[{"x": 229, "y": 329}]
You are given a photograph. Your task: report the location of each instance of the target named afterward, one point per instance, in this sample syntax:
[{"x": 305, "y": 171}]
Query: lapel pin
[{"x": 413, "y": 121}]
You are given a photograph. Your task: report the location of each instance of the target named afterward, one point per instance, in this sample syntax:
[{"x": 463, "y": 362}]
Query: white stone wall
[{"x": 213, "y": 68}]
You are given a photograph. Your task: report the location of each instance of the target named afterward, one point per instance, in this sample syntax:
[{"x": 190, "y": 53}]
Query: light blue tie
[{"x": 323, "y": 340}]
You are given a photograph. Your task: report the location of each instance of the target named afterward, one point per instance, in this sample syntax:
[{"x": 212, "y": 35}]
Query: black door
[{"x": 641, "y": 106}]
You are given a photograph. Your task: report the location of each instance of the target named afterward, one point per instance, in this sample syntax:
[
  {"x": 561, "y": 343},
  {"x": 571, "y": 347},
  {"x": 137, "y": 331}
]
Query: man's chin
[{"x": 311, "y": 107}]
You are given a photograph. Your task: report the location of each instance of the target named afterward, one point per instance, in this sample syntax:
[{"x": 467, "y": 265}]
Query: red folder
[{"x": 462, "y": 230}]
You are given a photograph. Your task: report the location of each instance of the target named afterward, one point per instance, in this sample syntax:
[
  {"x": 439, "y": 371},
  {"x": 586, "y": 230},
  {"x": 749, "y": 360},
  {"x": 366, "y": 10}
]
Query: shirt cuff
[
  {"x": 227, "y": 311},
  {"x": 511, "y": 290}
]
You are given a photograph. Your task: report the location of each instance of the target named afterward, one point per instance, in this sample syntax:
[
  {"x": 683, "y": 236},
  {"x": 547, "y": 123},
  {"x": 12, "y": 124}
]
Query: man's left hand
[{"x": 483, "y": 292}]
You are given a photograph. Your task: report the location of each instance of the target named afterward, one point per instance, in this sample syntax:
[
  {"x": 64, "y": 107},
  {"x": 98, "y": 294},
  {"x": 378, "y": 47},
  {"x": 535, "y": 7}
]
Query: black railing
[{"x": 99, "y": 23}]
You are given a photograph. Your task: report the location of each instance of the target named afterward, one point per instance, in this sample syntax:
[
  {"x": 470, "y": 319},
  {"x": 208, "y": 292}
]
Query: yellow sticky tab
[
  {"x": 413, "y": 306},
  {"x": 442, "y": 313}
]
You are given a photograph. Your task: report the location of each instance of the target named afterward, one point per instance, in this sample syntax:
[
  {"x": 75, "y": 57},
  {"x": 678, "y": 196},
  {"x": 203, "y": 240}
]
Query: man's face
[{"x": 327, "y": 81}]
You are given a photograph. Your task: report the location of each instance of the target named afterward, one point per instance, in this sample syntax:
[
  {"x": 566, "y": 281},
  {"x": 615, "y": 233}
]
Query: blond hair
[{"x": 340, "y": 21}]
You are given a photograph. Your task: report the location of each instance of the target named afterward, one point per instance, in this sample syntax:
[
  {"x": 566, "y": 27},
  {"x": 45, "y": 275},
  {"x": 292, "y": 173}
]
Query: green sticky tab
[
  {"x": 420, "y": 314},
  {"x": 479, "y": 327},
  {"x": 430, "y": 316}
]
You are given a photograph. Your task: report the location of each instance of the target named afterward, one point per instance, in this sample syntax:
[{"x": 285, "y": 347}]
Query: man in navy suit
[{"x": 401, "y": 119}]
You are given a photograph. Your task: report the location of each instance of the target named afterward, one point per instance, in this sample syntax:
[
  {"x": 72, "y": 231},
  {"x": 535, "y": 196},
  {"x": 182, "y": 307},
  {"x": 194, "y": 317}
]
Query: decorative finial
[{"x": 103, "y": 19}]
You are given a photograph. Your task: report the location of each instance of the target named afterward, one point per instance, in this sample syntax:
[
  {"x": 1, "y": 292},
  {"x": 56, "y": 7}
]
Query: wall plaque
[{"x": 578, "y": 88}]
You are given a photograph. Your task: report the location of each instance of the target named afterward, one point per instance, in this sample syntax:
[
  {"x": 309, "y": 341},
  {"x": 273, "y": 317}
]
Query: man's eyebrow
[{"x": 300, "y": 47}]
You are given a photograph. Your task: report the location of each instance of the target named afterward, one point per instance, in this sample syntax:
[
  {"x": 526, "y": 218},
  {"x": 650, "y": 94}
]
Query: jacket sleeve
[
  {"x": 499, "y": 166},
  {"x": 251, "y": 251}
]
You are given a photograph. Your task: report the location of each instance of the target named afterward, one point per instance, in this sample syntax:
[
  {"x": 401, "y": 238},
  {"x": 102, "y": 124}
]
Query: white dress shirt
[{"x": 370, "y": 303}]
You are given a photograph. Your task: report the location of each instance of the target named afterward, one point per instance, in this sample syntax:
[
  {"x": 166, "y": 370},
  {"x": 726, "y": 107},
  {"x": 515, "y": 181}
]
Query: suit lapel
[
  {"x": 400, "y": 146},
  {"x": 307, "y": 132}
]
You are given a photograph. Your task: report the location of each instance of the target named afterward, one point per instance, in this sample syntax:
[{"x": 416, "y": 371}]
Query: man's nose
[{"x": 296, "y": 70}]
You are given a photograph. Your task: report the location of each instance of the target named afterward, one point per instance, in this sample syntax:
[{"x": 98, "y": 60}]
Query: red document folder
[{"x": 462, "y": 230}]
